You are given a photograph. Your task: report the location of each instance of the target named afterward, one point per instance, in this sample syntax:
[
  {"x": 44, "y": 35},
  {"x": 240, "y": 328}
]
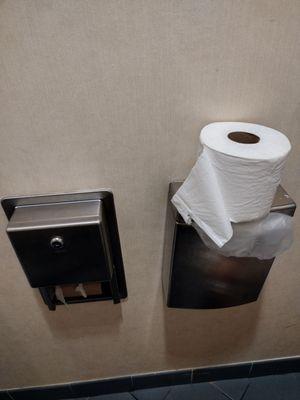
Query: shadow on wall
[
  {"x": 64, "y": 322},
  {"x": 213, "y": 335}
]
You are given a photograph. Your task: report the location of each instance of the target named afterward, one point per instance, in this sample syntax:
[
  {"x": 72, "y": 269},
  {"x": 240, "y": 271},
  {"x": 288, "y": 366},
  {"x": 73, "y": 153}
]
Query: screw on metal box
[
  {"x": 195, "y": 276},
  {"x": 64, "y": 239}
]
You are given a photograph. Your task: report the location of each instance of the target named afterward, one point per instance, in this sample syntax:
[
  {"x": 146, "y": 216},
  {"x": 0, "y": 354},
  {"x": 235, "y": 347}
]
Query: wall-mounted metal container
[
  {"x": 197, "y": 277},
  {"x": 68, "y": 239}
]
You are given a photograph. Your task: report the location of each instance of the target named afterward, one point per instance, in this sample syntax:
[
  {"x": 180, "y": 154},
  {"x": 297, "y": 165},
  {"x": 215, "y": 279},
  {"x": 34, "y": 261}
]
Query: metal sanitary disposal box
[{"x": 195, "y": 276}]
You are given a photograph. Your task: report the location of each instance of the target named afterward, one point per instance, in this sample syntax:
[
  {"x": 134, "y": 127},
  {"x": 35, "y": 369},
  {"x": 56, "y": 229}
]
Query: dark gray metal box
[
  {"x": 81, "y": 252},
  {"x": 68, "y": 238}
]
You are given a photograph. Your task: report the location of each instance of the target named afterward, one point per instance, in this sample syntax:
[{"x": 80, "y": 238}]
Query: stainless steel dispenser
[
  {"x": 66, "y": 239},
  {"x": 197, "y": 277}
]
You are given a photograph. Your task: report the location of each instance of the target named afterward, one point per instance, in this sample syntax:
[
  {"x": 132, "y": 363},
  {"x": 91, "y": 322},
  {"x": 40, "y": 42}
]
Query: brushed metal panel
[
  {"x": 197, "y": 277},
  {"x": 87, "y": 225}
]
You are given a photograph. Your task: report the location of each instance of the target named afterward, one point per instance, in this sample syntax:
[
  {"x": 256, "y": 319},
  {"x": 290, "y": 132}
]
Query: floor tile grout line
[
  {"x": 221, "y": 390},
  {"x": 10, "y": 395},
  {"x": 132, "y": 395},
  {"x": 167, "y": 394},
  {"x": 250, "y": 370},
  {"x": 245, "y": 391}
]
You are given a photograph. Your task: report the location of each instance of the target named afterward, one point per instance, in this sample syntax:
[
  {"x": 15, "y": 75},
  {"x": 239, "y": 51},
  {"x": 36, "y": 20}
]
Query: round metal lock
[{"x": 57, "y": 242}]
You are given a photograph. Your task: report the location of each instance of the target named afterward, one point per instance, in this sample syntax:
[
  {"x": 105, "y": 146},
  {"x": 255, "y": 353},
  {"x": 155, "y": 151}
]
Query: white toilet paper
[
  {"x": 234, "y": 179},
  {"x": 264, "y": 238},
  {"x": 80, "y": 288},
  {"x": 60, "y": 295}
]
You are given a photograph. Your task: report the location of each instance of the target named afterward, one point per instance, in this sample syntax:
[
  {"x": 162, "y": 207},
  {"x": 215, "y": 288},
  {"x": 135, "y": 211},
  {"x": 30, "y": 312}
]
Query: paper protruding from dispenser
[
  {"x": 234, "y": 179},
  {"x": 80, "y": 288},
  {"x": 264, "y": 239},
  {"x": 60, "y": 295}
]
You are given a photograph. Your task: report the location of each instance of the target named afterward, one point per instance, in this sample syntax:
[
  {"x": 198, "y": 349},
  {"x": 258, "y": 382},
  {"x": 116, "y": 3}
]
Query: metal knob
[{"x": 57, "y": 242}]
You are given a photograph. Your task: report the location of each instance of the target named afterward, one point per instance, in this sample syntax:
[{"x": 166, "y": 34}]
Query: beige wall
[{"x": 113, "y": 94}]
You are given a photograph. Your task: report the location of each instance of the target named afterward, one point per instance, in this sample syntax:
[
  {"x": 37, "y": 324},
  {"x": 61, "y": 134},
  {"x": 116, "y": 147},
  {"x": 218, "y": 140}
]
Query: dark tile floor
[{"x": 273, "y": 387}]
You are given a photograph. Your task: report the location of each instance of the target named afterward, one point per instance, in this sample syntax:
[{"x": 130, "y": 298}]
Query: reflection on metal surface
[{"x": 197, "y": 277}]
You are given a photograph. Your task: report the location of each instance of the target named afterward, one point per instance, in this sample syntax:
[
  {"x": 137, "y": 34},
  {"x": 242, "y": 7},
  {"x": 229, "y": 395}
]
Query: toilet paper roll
[{"x": 234, "y": 179}]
